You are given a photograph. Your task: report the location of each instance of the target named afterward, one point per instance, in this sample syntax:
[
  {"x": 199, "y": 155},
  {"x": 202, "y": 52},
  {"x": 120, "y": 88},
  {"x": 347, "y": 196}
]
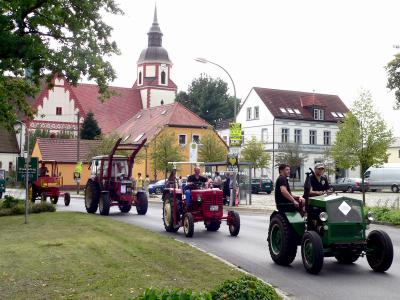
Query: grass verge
[{"x": 80, "y": 256}]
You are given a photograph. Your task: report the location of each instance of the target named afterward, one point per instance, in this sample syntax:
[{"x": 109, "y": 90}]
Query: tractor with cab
[
  {"x": 332, "y": 226},
  {"x": 48, "y": 184},
  {"x": 206, "y": 206},
  {"x": 111, "y": 184}
]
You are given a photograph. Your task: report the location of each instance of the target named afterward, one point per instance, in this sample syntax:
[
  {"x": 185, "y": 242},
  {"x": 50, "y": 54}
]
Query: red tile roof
[
  {"x": 150, "y": 121},
  {"x": 8, "y": 141},
  {"x": 65, "y": 150},
  {"x": 303, "y": 101},
  {"x": 114, "y": 111}
]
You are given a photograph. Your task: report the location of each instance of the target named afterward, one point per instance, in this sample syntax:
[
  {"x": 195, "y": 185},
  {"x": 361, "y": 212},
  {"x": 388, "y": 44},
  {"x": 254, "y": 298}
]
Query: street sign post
[{"x": 32, "y": 169}]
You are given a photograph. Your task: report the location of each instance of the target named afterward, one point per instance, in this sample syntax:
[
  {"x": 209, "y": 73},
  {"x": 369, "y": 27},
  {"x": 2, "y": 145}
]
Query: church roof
[
  {"x": 112, "y": 112},
  {"x": 149, "y": 122}
]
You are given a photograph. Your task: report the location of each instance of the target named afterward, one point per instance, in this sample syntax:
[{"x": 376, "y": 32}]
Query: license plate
[{"x": 213, "y": 207}]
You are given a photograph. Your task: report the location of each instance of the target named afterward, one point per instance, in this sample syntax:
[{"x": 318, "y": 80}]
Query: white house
[{"x": 277, "y": 117}]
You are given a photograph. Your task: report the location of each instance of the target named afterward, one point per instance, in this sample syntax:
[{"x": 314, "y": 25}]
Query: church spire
[{"x": 155, "y": 34}]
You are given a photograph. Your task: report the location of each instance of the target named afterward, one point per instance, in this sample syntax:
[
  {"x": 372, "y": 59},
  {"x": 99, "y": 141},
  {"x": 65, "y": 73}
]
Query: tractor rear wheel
[
  {"x": 347, "y": 257},
  {"x": 212, "y": 225},
  {"x": 379, "y": 250},
  {"x": 53, "y": 200},
  {"x": 282, "y": 240},
  {"x": 188, "y": 224},
  {"x": 105, "y": 203},
  {"x": 125, "y": 208},
  {"x": 92, "y": 196},
  {"x": 168, "y": 217},
  {"x": 142, "y": 203},
  {"x": 312, "y": 252},
  {"x": 234, "y": 226},
  {"x": 67, "y": 199}
]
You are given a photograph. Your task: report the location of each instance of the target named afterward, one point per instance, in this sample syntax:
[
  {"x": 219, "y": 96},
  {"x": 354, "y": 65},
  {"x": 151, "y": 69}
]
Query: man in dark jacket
[{"x": 319, "y": 182}]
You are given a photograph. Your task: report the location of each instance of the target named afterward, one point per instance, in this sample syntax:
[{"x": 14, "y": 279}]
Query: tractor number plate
[{"x": 213, "y": 207}]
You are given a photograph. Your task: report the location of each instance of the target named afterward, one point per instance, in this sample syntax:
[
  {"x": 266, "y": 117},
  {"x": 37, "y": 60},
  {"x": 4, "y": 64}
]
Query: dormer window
[
  {"x": 318, "y": 114},
  {"x": 140, "y": 78},
  {"x": 163, "y": 77}
]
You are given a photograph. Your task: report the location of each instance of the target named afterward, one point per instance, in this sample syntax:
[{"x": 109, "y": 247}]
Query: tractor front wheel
[
  {"x": 53, "y": 200},
  {"x": 142, "y": 203},
  {"x": 188, "y": 224},
  {"x": 92, "y": 196},
  {"x": 234, "y": 224},
  {"x": 312, "y": 252},
  {"x": 282, "y": 240},
  {"x": 212, "y": 225},
  {"x": 379, "y": 250},
  {"x": 347, "y": 257},
  {"x": 168, "y": 217},
  {"x": 104, "y": 204},
  {"x": 67, "y": 199}
]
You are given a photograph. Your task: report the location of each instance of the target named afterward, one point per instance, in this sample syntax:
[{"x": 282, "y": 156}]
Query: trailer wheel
[
  {"x": 379, "y": 250},
  {"x": 188, "y": 224},
  {"x": 234, "y": 226},
  {"x": 312, "y": 252},
  {"x": 105, "y": 203},
  {"x": 395, "y": 188},
  {"x": 168, "y": 218},
  {"x": 212, "y": 225},
  {"x": 143, "y": 203},
  {"x": 67, "y": 199},
  {"x": 92, "y": 196}
]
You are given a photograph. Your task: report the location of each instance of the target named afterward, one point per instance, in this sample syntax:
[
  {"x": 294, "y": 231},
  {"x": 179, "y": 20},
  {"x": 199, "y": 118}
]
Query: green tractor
[{"x": 333, "y": 226}]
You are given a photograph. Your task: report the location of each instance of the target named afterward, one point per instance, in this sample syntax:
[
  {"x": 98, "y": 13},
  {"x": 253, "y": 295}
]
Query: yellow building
[
  {"x": 173, "y": 119},
  {"x": 394, "y": 151},
  {"x": 64, "y": 152}
]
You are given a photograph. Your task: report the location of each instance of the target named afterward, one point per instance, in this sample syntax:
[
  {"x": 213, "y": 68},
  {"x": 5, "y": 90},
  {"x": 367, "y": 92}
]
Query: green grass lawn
[{"x": 81, "y": 256}]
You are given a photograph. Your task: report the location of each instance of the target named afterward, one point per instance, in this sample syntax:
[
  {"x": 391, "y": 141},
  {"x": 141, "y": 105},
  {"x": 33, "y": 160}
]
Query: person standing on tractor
[
  {"x": 285, "y": 201},
  {"x": 193, "y": 183},
  {"x": 319, "y": 182}
]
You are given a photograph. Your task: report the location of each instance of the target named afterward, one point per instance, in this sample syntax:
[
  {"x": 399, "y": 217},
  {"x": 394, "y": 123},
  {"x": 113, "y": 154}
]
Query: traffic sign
[
  {"x": 235, "y": 134},
  {"x": 32, "y": 170},
  {"x": 233, "y": 162}
]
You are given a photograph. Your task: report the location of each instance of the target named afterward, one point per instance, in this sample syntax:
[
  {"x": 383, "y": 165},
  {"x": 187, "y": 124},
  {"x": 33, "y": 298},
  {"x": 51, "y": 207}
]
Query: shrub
[
  {"x": 10, "y": 201},
  {"x": 385, "y": 214},
  {"x": 42, "y": 207},
  {"x": 154, "y": 294},
  {"x": 12, "y": 206},
  {"x": 246, "y": 288}
]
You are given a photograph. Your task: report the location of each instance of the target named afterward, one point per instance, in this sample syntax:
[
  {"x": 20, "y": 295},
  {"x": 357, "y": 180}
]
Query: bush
[
  {"x": 244, "y": 288},
  {"x": 384, "y": 214},
  {"x": 12, "y": 206},
  {"x": 9, "y": 202},
  {"x": 42, "y": 207}
]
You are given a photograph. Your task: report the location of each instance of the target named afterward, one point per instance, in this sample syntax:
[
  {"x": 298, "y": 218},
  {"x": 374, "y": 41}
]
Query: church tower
[{"x": 154, "y": 70}]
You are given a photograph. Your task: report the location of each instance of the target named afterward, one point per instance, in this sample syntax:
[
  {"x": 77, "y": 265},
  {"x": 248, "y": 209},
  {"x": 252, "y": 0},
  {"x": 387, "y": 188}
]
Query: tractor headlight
[
  {"x": 323, "y": 216},
  {"x": 370, "y": 216},
  {"x": 198, "y": 198}
]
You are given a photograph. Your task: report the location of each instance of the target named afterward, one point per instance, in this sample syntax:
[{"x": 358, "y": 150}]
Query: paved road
[{"x": 249, "y": 251}]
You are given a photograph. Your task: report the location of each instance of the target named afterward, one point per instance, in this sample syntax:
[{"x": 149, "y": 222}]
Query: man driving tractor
[
  {"x": 43, "y": 170},
  {"x": 285, "y": 201},
  {"x": 319, "y": 182},
  {"x": 193, "y": 183}
]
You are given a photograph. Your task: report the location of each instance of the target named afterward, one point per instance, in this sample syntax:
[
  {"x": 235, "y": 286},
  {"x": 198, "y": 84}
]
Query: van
[{"x": 383, "y": 178}]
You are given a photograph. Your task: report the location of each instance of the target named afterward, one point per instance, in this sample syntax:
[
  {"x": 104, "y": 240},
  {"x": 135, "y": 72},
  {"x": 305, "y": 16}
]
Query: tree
[
  {"x": 363, "y": 137},
  {"x": 291, "y": 154},
  {"x": 329, "y": 162},
  {"x": 90, "y": 128},
  {"x": 393, "y": 71},
  {"x": 165, "y": 150},
  {"x": 253, "y": 152},
  {"x": 208, "y": 98},
  {"x": 41, "y": 39},
  {"x": 211, "y": 149}
]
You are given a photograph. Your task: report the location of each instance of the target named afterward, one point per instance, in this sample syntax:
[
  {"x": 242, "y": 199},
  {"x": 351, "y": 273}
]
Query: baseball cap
[{"x": 319, "y": 166}]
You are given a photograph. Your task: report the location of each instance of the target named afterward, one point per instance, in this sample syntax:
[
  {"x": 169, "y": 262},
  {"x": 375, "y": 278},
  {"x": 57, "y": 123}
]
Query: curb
[{"x": 281, "y": 293}]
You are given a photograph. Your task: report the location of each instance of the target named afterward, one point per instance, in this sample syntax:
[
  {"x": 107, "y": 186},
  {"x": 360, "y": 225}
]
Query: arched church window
[
  {"x": 163, "y": 77},
  {"x": 140, "y": 77}
]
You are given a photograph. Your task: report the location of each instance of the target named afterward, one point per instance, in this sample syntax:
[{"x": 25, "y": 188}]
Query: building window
[
  {"x": 249, "y": 113},
  {"x": 58, "y": 111},
  {"x": 297, "y": 136},
  {"x": 318, "y": 114},
  {"x": 285, "y": 135},
  {"x": 313, "y": 137},
  {"x": 264, "y": 135},
  {"x": 327, "y": 137},
  {"x": 163, "y": 77},
  {"x": 140, "y": 78},
  {"x": 182, "y": 139},
  {"x": 196, "y": 139},
  {"x": 256, "y": 112}
]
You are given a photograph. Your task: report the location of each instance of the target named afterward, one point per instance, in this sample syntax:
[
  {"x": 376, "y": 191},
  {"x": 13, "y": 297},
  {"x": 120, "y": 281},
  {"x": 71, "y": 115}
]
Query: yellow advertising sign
[
  {"x": 235, "y": 134},
  {"x": 78, "y": 167}
]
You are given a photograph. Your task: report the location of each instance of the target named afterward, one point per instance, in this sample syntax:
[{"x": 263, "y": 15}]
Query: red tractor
[
  {"x": 48, "y": 184},
  {"x": 111, "y": 184},
  {"x": 206, "y": 206}
]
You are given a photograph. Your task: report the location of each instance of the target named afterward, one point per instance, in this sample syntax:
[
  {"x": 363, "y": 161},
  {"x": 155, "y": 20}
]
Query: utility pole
[
  {"x": 77, "y": 153},
  {"x": 27, "y": 161}
]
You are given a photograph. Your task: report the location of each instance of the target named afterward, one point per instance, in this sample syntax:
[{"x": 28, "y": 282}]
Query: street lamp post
[
  {"x": 27, "y": 160},
  {"x": 205, "y": 61}
]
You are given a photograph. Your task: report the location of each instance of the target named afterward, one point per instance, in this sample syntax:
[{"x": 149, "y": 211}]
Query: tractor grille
[
  {"x": 212, "y": 199},
  {"x": 347, "y": 210},
  {"x": 345, "y": 232}
]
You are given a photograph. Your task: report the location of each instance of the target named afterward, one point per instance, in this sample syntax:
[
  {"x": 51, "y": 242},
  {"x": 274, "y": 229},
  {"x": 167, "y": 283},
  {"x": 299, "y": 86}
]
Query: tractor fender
[{"x": 295, "y": 220}]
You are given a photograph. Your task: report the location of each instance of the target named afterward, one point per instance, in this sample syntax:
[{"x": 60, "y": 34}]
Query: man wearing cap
[{"x": 319, "y": 182}]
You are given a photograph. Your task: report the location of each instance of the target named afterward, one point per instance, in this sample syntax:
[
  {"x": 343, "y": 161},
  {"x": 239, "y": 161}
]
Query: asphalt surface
[{"x": 249, "y": 251}]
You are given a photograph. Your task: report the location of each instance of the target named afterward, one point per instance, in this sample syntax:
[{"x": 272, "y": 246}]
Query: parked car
[
  {"x": 383, "y": 178},
  {"x": 349, "y": 185},
  {"x": 157, "y": 187},
  {"x": 261, "y": 185}
]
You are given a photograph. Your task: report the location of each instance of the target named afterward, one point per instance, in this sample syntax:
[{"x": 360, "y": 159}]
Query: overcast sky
[{"x": 333, "y": 47}]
